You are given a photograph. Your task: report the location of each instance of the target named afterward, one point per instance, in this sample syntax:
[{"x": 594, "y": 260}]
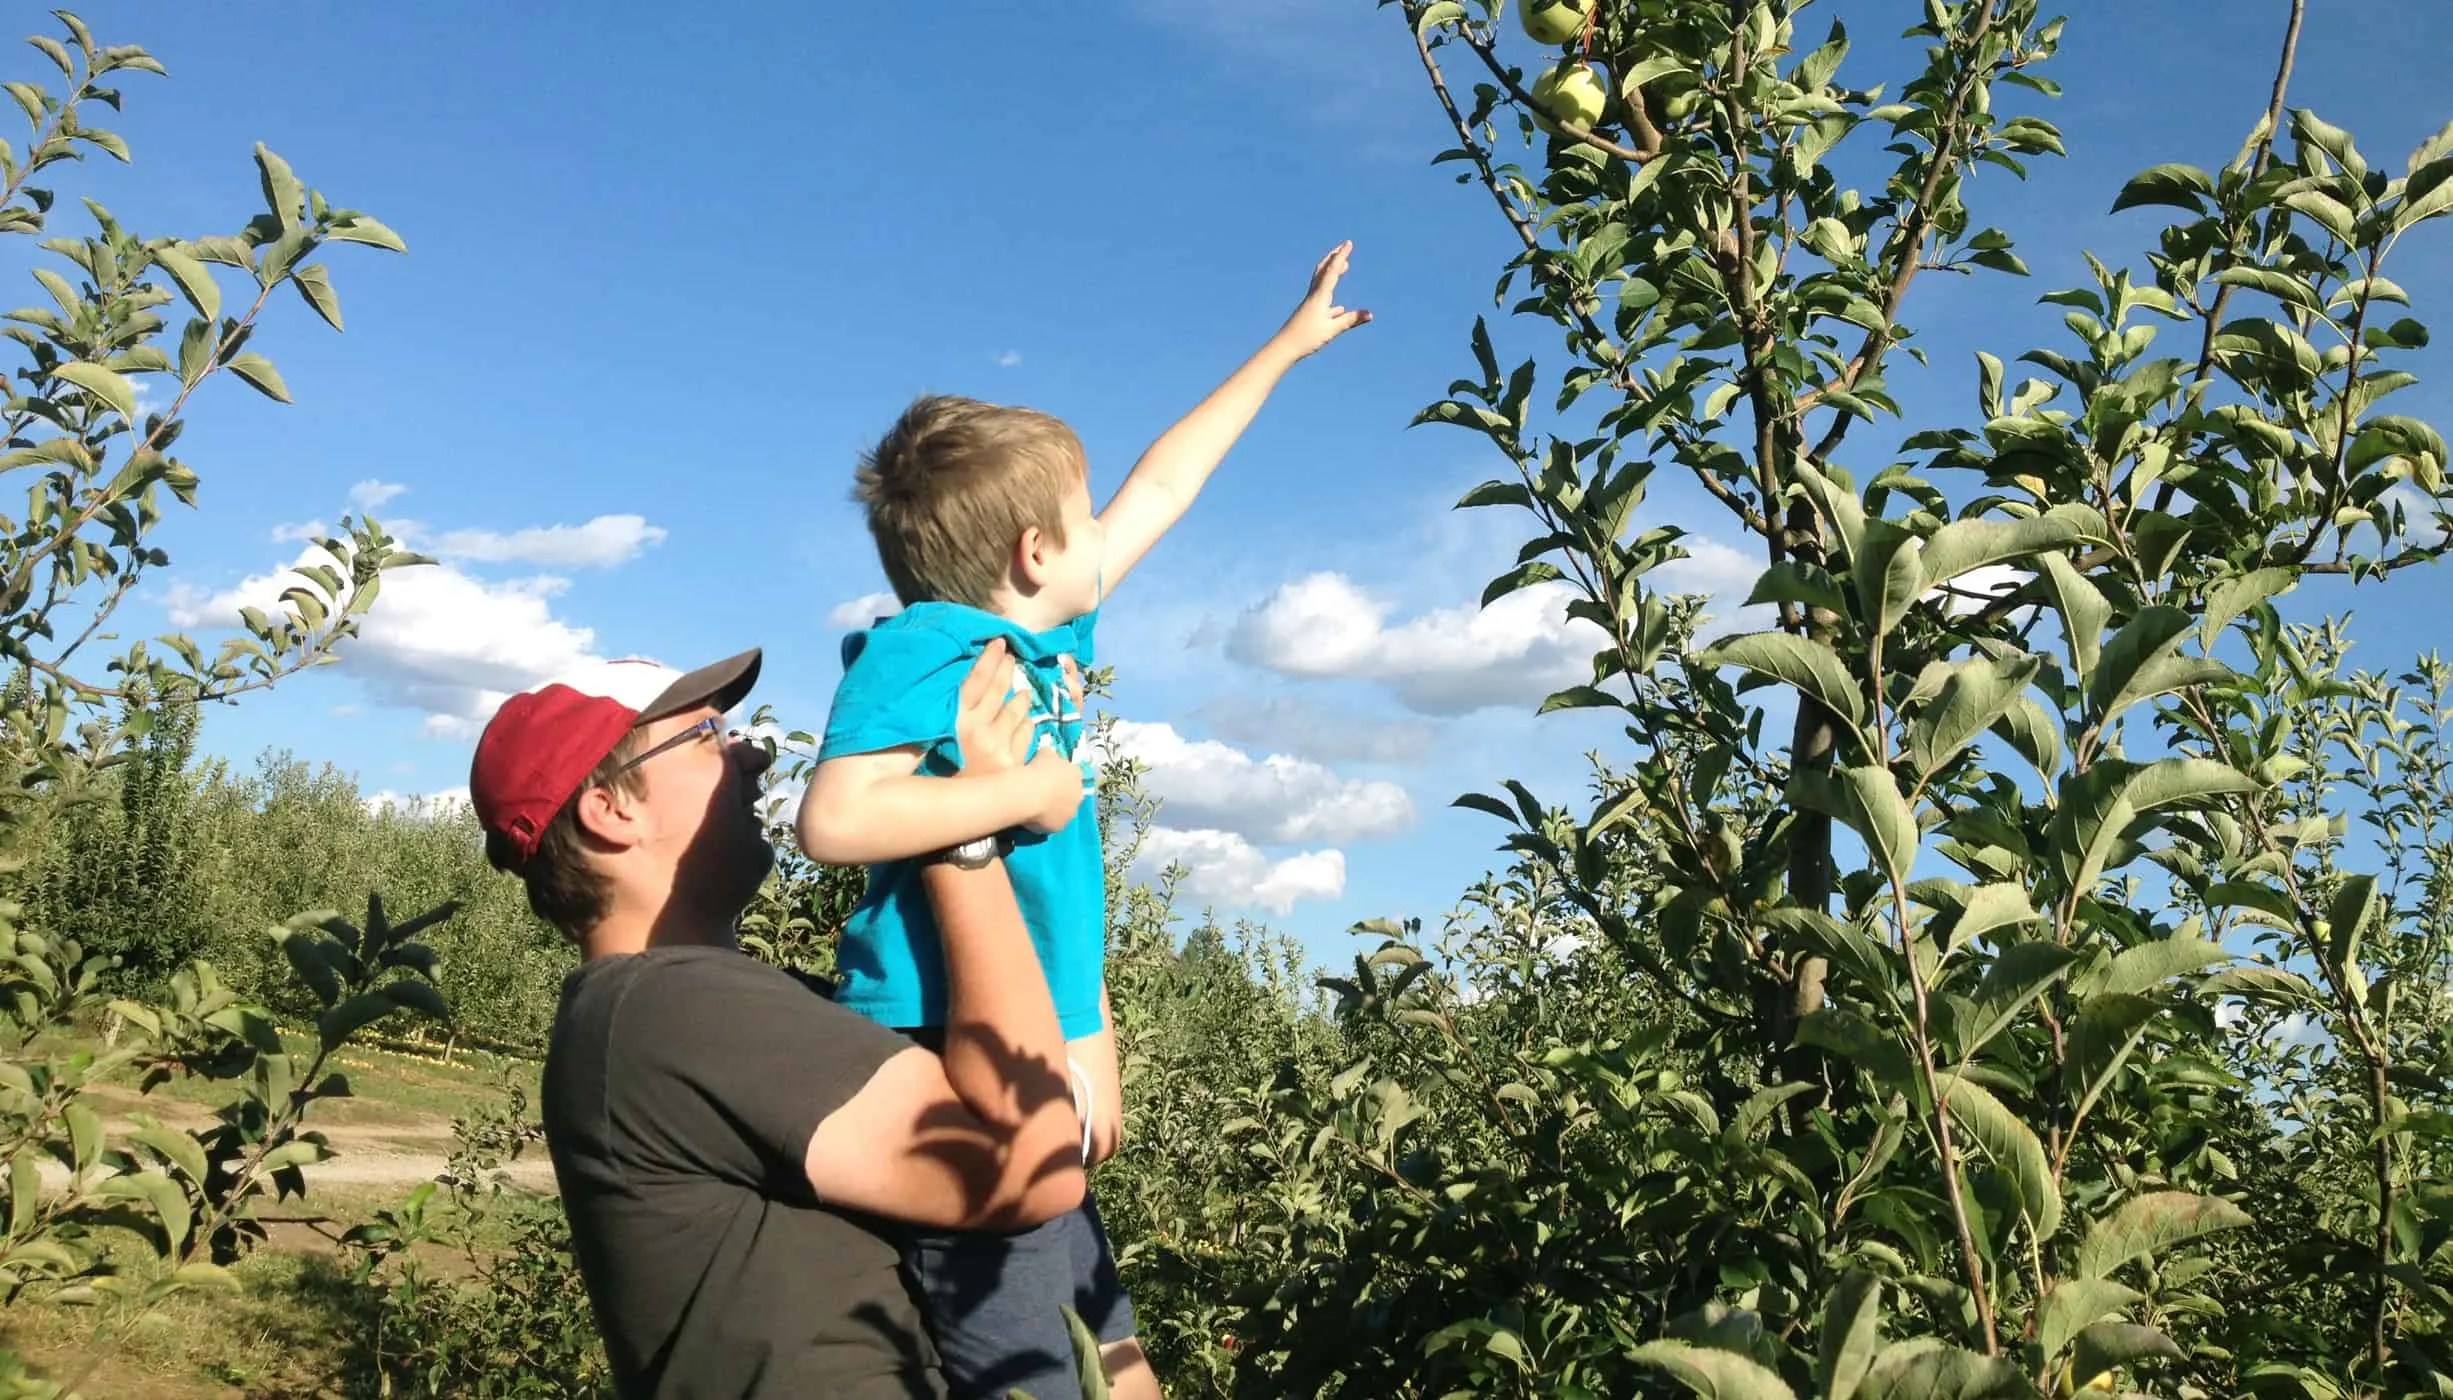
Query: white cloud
[
  {"x": 600, "y": 543},
  {"x": 441, "y": 640},
  {"x": 1277, "y": 798},
  {"x": 1724, "y": 576},
  {"x": 863, "y": 610},
  {"x": 2418, "y": 514},
  {"x": 302, "y": 532},
  {"x": 1009, "y": 359},
  {"x": 370, "y": 494},
  {"x": 1224, "y": 867},
  {"x": 1293, "y": 725},
  {"x": 1443, "y": 662},
  {"x": 427, "y": 804}
]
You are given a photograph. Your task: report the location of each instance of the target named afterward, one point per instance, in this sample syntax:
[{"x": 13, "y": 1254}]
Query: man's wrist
[{"x": 974, "y": 854}]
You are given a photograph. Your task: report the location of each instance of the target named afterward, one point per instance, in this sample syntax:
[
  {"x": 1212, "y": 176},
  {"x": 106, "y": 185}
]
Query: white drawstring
[{"x": 1084, "y": 1097}]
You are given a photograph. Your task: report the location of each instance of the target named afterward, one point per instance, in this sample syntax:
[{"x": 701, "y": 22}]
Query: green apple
[
  {"x": 1571, "y": 92},
  {"x": 1554, "y": 21},
  {"x": 1667, "y": 98}
]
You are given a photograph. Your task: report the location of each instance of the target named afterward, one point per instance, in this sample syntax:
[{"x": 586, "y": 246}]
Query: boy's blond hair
[{"x": 951, "y": 487}]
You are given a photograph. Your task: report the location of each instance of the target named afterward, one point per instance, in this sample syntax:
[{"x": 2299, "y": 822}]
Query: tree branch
[
  {"x": 1586, "y": 135},
  {"x": 1909, "y": 240}
]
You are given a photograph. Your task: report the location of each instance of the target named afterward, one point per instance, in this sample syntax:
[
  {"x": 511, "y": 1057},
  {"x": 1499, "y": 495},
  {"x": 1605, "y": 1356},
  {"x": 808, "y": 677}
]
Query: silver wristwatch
[{"x": 971, "y": 855}]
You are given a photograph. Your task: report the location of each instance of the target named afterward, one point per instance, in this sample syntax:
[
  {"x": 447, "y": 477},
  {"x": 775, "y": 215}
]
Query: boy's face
[{"x": 1071, "y": 576}]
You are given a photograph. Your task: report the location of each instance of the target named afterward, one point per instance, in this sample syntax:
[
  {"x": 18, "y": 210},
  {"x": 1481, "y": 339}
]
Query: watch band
[{"x": 971, "y": 855}]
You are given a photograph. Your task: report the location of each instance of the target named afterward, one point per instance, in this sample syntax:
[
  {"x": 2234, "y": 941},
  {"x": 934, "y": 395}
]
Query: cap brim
[{"x": 721, "y": 684}]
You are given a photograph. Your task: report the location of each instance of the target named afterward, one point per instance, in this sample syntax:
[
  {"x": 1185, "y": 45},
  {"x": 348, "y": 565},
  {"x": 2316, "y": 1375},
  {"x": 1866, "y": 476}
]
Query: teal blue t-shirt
[{"x": 902, "y": 682}]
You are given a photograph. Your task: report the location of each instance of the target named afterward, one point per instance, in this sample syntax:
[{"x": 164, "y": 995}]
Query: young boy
[{"x": 983, "y": 521}]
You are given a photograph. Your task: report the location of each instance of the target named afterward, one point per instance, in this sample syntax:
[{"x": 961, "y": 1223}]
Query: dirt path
[{"x": 371, "y": 1154}]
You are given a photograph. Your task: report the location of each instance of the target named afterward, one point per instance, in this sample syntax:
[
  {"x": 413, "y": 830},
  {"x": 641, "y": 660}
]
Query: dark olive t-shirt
[{"x": 681, "y": 1087}]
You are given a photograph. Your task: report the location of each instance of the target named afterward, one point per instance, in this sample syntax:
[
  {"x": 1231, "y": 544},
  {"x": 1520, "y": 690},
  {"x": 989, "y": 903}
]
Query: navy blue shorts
[{"x": 991, "y": 1302}]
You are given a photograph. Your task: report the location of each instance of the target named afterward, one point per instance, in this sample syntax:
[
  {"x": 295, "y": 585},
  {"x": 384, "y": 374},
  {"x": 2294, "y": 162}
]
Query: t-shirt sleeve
[
  {"x": 729, "y": 1065},
  {"x": 900, "y": 686}
]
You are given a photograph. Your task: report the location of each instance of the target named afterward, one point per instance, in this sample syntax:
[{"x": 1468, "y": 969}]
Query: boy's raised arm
[{"x": 1172, "y": 470}]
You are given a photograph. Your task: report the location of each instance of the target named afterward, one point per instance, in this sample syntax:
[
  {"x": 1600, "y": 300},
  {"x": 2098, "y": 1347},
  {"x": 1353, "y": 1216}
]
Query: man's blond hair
[{"x": 952, "y": 486}]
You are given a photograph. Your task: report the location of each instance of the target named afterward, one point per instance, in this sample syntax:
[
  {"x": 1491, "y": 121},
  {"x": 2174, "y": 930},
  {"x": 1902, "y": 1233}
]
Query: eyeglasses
[{"x": 711, "y": 728}]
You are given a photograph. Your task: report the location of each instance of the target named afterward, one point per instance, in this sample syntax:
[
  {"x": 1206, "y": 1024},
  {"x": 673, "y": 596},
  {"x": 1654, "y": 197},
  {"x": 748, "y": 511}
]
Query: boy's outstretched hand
[{"x": 1319, "y": 319}]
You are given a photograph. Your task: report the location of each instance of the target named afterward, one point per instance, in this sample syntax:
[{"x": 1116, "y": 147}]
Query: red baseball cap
[{"x": 544, "y": 742}]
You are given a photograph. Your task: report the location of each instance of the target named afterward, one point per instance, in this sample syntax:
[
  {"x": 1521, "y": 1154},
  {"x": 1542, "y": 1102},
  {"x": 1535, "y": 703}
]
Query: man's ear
[{"x": 607, "y": 817}]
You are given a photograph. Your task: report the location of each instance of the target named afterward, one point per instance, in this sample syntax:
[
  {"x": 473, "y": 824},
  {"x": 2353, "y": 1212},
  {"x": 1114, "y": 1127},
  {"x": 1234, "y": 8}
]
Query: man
[{"x": 729, "y": 1143}]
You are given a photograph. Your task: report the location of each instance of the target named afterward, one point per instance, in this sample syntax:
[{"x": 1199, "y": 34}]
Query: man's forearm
[{"x": 1004, "y": 1049}]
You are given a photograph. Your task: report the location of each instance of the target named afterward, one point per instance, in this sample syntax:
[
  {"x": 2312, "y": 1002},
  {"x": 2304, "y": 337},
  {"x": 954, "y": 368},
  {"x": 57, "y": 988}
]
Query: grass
[
  {"x": 392, "y": 1082},
  {"x": 287, "y": 1331},
  {"x": 298, "y": 1326}
]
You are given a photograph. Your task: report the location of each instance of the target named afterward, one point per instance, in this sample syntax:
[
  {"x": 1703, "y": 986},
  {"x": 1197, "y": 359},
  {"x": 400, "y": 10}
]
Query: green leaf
[
  {"x": 1483, "y": 802},
  {"x": 112, "y": 389},
  {"x": 1844, "y": 1032},
  {"x": 2099, "y": 806},
  {"x": 2234, "y": 596},
  {"x": 1975, "y": 693},
  {"x": 1756, "y": 1113},
  {"x": 2181, "y": 186},
  {"x": 2144, "y": 638},
  {"x": 175, "y": 1147},
  {"x": 2281, "y": 286},
  {"x": 1890, "y": 574},
  {"x": 2102, "y": 1037},
  {"x": 258, "y": 371},
  {"x": 1868, "y": 801},
  {"x": 2149, "y": 965},
  {"x": 2016, "y": 979},
  {"x": 1811, "y": 668},
  {"x": 340, "y": 1022},
  {"x": 1966, "y": 545},
  {"x": 315, "y": 286},
  {"x": 1438, "y": 13},
  {"x": 282, "y": 193},
  {"x": 2151, "y": 1224},
  {"x": 1850, "y": 1333},
  {"x": 52, "y": 49},
  {"x": 421, "y": 997},
  {"x": 297, "y": 1152},
  {"x": 1989, "y": 907},
  {"x": 84, "y": 1137},
  {"x": 1790, "y": 581},
  {"x": 2073, "y": 1305},
  {"x": 2032, "y": 729},
  {"x": 2354, "y": 905},
  {"x": 1720, "y": 1375},
  {"x": 2270, "y": 986},
  {"x": 358, "y": 228},
  {"x": 2083, "y": 612},
  {"x": 25, "y": 1192},
  {"x": 1923, "y": 1368},
  {"x": 2010, "y": 1143},
  {"x": 2309, "y": 129},
  {"x": 2104, "y": 1345}
]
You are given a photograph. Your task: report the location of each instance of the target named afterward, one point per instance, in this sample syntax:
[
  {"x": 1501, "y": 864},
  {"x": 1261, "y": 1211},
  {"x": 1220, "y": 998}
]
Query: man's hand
[
  {"x": 993, "y": 722},
  {"x": 1319, "y": 319}
]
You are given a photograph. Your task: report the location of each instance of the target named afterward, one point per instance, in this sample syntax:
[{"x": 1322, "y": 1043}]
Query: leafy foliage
[{"x": 2019, "y": 1019}]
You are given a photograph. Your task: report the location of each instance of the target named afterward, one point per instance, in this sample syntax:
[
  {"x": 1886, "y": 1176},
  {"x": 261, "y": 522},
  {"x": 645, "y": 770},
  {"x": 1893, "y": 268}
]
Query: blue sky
[{"x": 669, "y": 273}]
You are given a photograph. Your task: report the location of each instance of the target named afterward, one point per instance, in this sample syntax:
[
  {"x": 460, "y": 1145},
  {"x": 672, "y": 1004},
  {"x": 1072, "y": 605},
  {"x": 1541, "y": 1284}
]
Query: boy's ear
[{"x": 1030, "y": 562}]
